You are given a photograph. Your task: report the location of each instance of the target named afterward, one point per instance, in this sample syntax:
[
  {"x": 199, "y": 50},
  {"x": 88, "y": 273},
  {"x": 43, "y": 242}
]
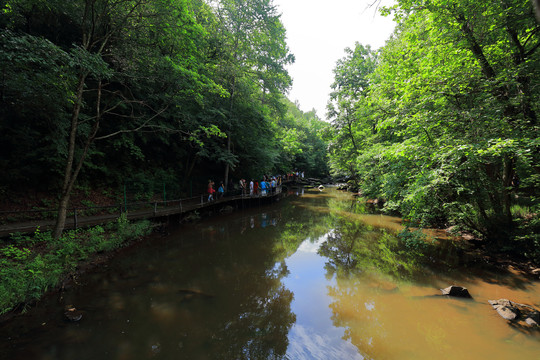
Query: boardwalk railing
[{"x": 23, "y": 220}]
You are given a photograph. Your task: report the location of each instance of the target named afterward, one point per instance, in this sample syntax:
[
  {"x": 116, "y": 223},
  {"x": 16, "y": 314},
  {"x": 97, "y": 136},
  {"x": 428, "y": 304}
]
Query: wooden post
[
  {"x": 75, "y": 218},
  {"x": 155, "y": 208}
]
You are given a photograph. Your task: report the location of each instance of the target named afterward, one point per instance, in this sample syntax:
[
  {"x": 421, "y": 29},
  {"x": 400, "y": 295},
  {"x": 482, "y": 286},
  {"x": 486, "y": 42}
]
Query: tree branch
[{"x": 144, "y": 125}]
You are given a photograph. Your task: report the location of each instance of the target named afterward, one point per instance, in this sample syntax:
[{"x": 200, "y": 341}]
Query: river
[{"x": 314, "y": 276}]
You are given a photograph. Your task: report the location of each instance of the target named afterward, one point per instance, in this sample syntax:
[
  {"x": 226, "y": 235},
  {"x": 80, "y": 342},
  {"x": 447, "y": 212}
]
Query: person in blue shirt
[{"x": 221, "y": 190}]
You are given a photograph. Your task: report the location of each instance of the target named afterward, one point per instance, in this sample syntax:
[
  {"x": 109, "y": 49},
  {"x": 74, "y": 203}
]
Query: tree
[
  {"x": 252, "y": 70},
  {"x": 347, "y": 102},
  {"x": 106, "y": 84},
  {"x": 452, "y": 114}
]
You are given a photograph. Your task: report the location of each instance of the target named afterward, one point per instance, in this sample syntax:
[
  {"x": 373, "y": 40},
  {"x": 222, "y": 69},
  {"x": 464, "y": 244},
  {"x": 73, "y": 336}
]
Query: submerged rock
[
  {"x": 456, "y": 291},
  {"x": 226, "y": 209},
  {"x": 72, "y": 314}
]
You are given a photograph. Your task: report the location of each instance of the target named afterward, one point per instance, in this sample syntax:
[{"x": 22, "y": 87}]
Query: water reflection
[
  {"x": 384, "y": 294},
  {"x": 313, "y": 277},
  {"x": 313, "y": 336},
  {"x": 203, "y": 292}
]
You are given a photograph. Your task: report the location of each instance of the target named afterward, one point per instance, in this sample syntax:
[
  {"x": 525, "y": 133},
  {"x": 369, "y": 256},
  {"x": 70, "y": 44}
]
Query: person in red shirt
[{"x": 211, "y": 190}]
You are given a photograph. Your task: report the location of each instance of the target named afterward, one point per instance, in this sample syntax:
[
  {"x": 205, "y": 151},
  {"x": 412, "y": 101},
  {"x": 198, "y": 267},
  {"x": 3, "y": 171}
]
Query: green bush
[{"x": 414, "y": 240}]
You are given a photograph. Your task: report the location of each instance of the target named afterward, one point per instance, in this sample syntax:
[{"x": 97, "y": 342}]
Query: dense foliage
[
  {"x": 164, "y": 93},
  {"x": 442, "y": 122}
]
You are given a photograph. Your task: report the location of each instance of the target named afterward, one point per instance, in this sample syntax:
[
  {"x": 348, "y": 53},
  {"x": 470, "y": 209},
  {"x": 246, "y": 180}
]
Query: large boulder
[{"x": 456, "y": 291}]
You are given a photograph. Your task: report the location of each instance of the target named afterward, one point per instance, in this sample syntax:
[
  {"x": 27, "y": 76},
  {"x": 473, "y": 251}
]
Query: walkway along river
[
  {"x": 313, "y": 276},
  {"x": 137, "y": 211}
]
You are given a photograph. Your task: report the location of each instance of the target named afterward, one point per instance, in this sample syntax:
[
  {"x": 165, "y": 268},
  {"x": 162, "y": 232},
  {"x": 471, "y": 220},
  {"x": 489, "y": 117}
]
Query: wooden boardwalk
[{"x": 151, "y": 210}]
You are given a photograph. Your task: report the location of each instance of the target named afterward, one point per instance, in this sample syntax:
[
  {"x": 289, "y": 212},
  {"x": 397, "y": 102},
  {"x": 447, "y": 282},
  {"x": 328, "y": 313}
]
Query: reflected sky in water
[{"x": 313, "y": 336}]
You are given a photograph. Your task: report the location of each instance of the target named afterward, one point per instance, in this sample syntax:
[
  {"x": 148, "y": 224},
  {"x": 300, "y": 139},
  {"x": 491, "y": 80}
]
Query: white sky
[{"x": 318, "y": 31}]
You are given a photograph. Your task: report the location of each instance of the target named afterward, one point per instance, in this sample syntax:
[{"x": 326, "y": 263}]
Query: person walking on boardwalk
[
  {"x": 221, "y": 190},
  {"x": 251, "y": 188},
  {"x": 243, "y": 186},
  {"x": 211, "y": 190},
  {"x": 256, "y": 188}
]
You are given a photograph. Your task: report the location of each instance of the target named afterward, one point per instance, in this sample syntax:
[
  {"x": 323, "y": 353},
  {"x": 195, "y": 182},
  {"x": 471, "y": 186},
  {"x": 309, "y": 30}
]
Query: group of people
[
  {"x": 295, "y": 175},
  {"x": 267, "y": 186},
  {"x": 211, "y": 191}
]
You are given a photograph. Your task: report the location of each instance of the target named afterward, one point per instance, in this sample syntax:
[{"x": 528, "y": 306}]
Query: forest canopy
[
  {"x": 159, "y": 93},
  {"x": 442, "y": 122}
]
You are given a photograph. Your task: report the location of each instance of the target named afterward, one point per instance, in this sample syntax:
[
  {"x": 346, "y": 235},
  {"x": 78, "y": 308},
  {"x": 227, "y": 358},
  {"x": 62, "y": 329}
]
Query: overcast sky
[{"x": 318, "y": 31}]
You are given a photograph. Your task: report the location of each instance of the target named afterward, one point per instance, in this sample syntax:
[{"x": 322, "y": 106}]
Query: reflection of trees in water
[
  {"x": 260, "y": 320},
  {"x": 255, "y": 322},
  {"x": 209, "y": 294},
  {"x": 359, "y": 257},
  {"x": 251, "y": 315},
  {"x": 357, "y": 312},
  {"x": 353, "y": 247},
  {"x": 262, "y": 333},
  {"x": 353, "y": 251},
  {"x": 259, "y": 325},
  {"x": 339, "y": 248},
  {"x": 302, "y": 221}
]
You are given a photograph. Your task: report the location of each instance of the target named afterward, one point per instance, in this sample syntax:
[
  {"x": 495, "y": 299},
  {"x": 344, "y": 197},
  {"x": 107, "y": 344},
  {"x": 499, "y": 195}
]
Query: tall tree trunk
[
  {"x": 68, "y": 175},
  {"x": 349, "y": 126}
]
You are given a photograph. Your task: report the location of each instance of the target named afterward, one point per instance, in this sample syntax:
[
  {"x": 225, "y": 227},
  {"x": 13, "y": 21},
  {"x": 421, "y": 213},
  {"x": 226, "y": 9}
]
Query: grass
[
  {"x": 520, "y": 211},
  {"x": 32, "y": 265}
]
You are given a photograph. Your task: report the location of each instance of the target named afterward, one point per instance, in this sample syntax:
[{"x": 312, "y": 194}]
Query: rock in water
[
  {"x": 533, "y": 319},
  {"x": 456, "y": 291},
  {"x": 72, "y": 314},
  {"x": 226, "y": 209},
  {"x": 505, "y": 308},
  {"x": 519, "y": 314}
]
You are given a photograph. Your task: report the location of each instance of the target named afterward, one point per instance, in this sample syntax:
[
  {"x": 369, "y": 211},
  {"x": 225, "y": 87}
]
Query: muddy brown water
[{"x": 314, "y": 276}]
